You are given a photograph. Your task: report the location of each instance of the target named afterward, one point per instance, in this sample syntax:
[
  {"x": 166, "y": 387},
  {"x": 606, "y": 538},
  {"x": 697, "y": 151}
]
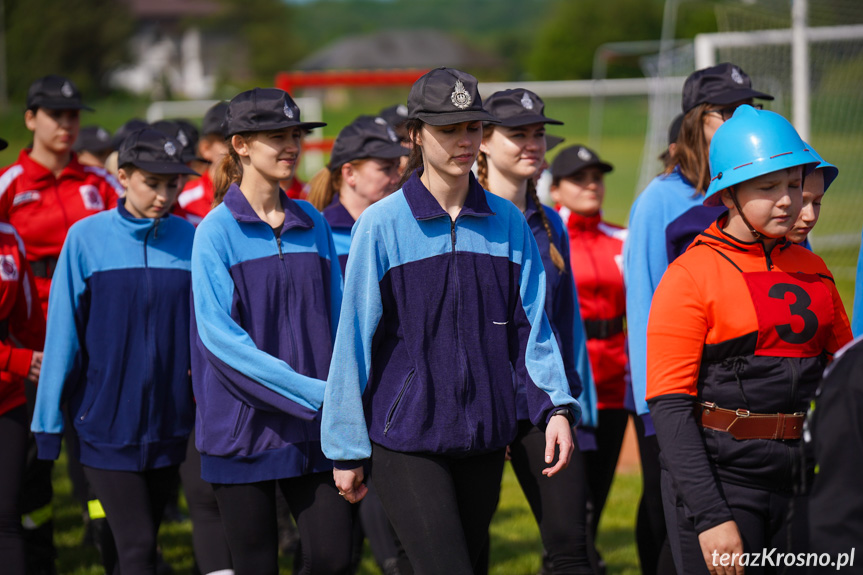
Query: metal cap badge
[{"x": 446, "y": 96}]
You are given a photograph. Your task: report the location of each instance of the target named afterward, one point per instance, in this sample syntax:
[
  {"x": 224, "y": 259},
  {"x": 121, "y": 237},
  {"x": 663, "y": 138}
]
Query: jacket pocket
[
  {"x": 242, "y": 416},
  {"x": 392, "y": 412},
  {"x": 84, "y": 413}
]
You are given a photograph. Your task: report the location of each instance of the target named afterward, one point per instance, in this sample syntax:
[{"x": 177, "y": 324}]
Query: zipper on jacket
[
  {"x": 279, "y": 244},
  {"x": 145, "y": 407},
  {"x": 398, "y": 400},
  {"x": 767, "y": 257},
  {"x": 285, "y": 299},
  {"x": 461, "y": 357}
]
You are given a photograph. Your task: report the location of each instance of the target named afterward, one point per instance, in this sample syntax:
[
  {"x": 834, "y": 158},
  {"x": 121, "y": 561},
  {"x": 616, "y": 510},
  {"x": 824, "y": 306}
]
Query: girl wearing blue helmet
[
  {"x": 814, "y": 187},
  {"x": 740, "y": 329}
]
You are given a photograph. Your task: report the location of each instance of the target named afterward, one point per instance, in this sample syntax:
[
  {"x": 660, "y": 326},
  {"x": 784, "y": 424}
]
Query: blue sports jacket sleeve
[
  {"x": 645, "y": 260},
  {"x": 250, "y": 372},
  {"x": 62, "y": 363},
  {"x": 337, "y": 284},
  {"x": 539, "y": 358},
  {"x": 344, "y": 435},
  {"x": 567, "y": 313}
]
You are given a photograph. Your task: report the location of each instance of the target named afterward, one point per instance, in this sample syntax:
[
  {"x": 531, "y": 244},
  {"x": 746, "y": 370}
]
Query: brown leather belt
[{"x": 742, "y": 424}]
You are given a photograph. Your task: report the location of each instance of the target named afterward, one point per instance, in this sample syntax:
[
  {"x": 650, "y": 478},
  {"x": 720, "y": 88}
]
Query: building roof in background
[
  {"x": 161, "y": 9},
  {"x": 398, "y": 49}
]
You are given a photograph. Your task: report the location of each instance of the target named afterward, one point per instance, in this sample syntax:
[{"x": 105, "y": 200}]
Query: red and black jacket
[{"x": 745, "y": 329}]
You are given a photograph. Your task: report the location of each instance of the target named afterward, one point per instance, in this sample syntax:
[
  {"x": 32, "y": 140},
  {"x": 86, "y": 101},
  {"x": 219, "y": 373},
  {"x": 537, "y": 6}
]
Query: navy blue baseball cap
[
  {"x": 366, "y": 137},
  {"x": 214, "y": 120},
  {"x": 55, "y": 92},
  {"x": 183, "y": 133},
  {"x": 517, "y": 107},
  {"x": 264, "y": 109},
  {"x": 575, "y": 158},
  {"x": 129, "y": 127},
  {"x": 721, "y": 84},
  {"x": 95, "y": 139},
  {"x": 445, "y": 96},
  {"x": 152, "y": 151}
]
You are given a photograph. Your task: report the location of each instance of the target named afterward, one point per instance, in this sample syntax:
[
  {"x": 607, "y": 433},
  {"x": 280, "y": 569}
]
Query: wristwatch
[{"x": 564, "y": 411}]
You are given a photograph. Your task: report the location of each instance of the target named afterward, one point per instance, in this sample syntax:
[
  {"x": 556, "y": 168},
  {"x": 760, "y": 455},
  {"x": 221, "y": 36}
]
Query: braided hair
[{"x": 482, "y": 178}]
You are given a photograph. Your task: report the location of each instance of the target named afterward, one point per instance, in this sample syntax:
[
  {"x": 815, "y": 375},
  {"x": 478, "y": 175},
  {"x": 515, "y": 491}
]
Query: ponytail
[
  {"x": 322, "y": 188},
  {"x": 482, "y": 170},
  {"x": 415, "y": 160},
  {"x": 556, "y": 258},
  {"x": 229, "y": 171}
]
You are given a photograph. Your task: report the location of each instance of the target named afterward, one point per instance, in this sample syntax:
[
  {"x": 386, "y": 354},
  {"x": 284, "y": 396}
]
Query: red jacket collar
[
  {"x": 578, "y": 222},
  {"x": 37, "y": 172}
]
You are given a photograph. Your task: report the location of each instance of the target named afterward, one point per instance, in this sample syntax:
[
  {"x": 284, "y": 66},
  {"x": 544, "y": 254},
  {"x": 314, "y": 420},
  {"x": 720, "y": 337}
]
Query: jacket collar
[
  {"x": 718, "y": 238},
  {"x": 242, "y": 211},
  {"x": 577, "y": 222},
  {"x": 139, "y": 227},
  {"x": 424, "y": 206},
  {"x": 36, "y": 172},
  {"x": 337, "y": 215}
]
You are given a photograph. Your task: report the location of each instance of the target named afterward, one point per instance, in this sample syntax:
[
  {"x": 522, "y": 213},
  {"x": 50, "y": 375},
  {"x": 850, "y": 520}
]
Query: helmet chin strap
[{"x": 758, "y": 235}]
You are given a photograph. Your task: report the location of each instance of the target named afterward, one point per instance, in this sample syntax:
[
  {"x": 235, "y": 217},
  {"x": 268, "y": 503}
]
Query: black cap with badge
[
  {"x": 366, "y": 137},
  {"x": 93, "y": 139},
  {"x": 129, "y": 127},
  {"x": 153, "y": 151},
  {"x": 395, "y": 115},
  {"x": 575, "y": 158},
  {"x": 447, "y": 96},
  {"x": 184, "y": 133},
  {"x": 518, "y": 108},
  {"x": 214, "y": 120},
  {"x": 721, "y": 84},
  {"x": 55, "y": 93},
  {"x": 264, "y": 109}
]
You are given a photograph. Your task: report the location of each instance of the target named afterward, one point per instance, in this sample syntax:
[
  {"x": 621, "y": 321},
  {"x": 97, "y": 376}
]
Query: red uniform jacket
[
  {"x": 595, "y": 252},
  {"x": 42, "y": 207},
  {"x": 23, "y": 324},
  {"x": 196, "y": 199}
]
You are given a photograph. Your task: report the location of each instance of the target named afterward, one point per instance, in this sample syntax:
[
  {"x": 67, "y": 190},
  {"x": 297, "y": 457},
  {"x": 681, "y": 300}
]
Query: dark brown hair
[
  {"x": 229, "y": 171},
  {"x": 415, "y": 160}
]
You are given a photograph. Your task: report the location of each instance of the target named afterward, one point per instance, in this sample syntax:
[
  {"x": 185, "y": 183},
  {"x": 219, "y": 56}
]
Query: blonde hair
[
  {"x": 326, "y": 184},
  {"x": 482, "y": 178},
  {"x": 229, "y": 171}
]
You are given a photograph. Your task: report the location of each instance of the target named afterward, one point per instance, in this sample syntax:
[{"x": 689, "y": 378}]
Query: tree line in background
[{"x": 535, "y": 39}]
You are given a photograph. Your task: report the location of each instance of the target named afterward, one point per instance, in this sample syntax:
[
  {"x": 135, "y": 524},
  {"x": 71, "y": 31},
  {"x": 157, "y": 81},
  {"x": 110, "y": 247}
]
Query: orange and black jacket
[{"x": 743, "y": 328}]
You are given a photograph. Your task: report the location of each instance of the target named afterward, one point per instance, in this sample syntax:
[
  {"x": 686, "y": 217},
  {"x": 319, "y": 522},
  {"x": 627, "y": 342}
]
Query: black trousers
[
  {"x": 558, "y": 503},
  {"x": 208, "y": 534},
  {"x": 133, "y": 502},
  {"x": 324, "y": 520},
  {"x": 440, "y": 506},
  {"x": 13, "y": 455}
]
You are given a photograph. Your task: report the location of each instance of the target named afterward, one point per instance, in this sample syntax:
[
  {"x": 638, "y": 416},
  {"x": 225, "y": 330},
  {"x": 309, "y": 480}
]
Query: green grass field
[{"x": 515, "y": 543}]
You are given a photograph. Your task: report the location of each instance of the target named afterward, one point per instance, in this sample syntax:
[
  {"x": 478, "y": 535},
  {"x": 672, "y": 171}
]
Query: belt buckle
[
  {"x": 706, "y": 406},
  {"x": 742, "y": 413}
]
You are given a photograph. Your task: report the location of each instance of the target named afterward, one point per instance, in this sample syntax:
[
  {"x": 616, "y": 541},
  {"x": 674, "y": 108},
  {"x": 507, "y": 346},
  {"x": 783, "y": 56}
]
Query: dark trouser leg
[
  {"x": 650, "y": 528},
  {"x": 385, "y": 546},
  {"x": 248, "y": 513},
  {"x": 13, "y": 456},
  {"x": 37, "y": 493},
  {"x": 440, "y": 507},
  {"x": 559, "y": 503}
]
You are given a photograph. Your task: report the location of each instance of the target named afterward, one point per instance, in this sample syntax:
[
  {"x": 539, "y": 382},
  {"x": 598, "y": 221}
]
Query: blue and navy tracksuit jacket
[
  {"x": 437, "y": 314},
  {"x": 265, "y": 315},
  {"x": 564, "y": 314},
  {"x": 117, "y": 347},
  {"x": 663, "y": 221},
  {"x": 341, "y": 223}
]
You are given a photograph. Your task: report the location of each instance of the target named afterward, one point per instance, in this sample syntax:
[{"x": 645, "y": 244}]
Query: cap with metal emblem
[
  {"x": 94, "y": 139},
  {"x": 264, "y": 109},
  {"x": 721, "y": 84},
  {"x": 366, "y": 137},
  {"x": 154, "y": 152},
  {"x": 184, "y": 133},
  {"x": 447, "y": 96},
  {"x": 575, "y": 158},
  {"x": 55, "y": 93},
  {"x": 517, "y": 108},
  {"x": 129, "y": 127}
]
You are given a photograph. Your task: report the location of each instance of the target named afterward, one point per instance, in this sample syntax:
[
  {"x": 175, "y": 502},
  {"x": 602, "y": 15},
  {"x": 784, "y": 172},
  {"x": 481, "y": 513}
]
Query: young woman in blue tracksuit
[
  {"x": 444, "y": 298},
  {"x": 663, "y": 221},
  {"x": 510, "y": 156},
  {"x": 364, "y": 168},
  {"x": 266, "y": 291},
  {"x": 119, "y": 348}
]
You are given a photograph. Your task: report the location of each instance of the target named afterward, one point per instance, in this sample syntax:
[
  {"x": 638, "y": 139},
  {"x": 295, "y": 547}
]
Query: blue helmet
[
  {"x": 830, "y": 171},
  {"x": 750, "y": 144}
]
